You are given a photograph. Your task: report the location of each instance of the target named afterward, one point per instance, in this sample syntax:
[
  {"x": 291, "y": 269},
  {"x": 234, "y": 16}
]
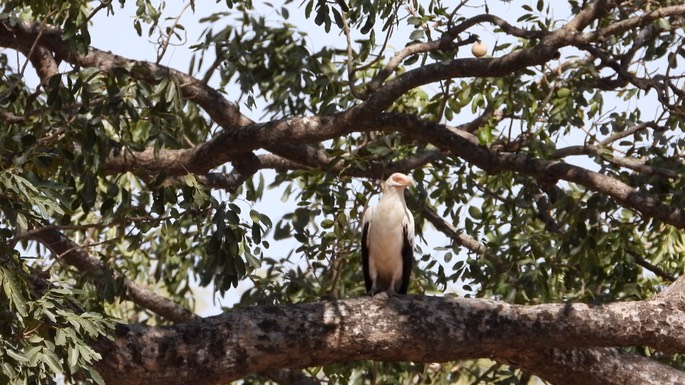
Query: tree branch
[
  {"x": 448, "y": 229},
  {"x": 596, "y": 366},
  {"x": 400, "y": 328},
  {"x": 453, "y": 32},
  {"x": 461, "y": 144},
  {"x": 74, "y": 255},
  {"x": 224, "y": 147},
  {"x": 635, "y": 165},
  {"x": 628, "y": 24},
  {"x": 22, "y": 35}
]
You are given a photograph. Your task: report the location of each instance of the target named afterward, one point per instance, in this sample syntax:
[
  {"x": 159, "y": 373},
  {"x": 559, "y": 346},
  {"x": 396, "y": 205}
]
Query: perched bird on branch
[{"x": 388, "y": 239}]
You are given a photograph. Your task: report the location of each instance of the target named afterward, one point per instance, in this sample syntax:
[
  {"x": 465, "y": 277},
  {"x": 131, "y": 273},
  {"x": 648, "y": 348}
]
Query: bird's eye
[{"x": 397, "y": 178}]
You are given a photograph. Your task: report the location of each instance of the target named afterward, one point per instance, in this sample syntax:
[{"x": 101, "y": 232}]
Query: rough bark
[
  {"x": 74, "y": 255},
  {"x": 596, "y": 366},
  {"x": 545, "y": 339}
]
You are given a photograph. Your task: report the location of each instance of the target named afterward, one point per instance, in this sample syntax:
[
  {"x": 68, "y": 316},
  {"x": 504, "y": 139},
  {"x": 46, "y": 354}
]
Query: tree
[{"x": 548, "y": 199}]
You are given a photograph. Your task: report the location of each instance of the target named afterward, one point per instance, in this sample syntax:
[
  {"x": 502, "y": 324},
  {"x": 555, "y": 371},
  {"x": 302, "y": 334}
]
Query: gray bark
[
  {"x": 558, "y": 342},
  {"x": 597, "y": 366}
]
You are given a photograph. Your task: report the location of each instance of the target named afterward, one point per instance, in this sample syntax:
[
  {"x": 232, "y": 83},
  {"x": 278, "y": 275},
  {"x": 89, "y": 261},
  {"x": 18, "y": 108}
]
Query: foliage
[
  {"x": 49, "y": 333},
  {"x": 545, "y": 240}
]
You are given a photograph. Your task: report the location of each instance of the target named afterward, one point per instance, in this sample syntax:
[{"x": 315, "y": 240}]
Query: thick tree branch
[
  {"x": 22, "y": 36},
  {"x": 628, "y": 24},
  {"x": 596, "y": 366},
  {"x": 461, "y": 144},
  {"x": 204, "y": 157},
  {"x": 457, "y": 68},
  {"x": 76, "y": 256},
  {"x": 635, "y": 165},
  {"x": 588, "y": 14},
  {"x": 401, "y": 328},
  {"x": 231, "y": 144},
  {"x": 43, "y": 62}
]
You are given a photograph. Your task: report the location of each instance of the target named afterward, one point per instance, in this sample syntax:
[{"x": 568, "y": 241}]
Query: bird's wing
[
  {"x": 408, "y": 222},
  {"x": 366, "y": 221},
  {"x": 407, "y": 251},
  {"x": 368, "y": 214}
]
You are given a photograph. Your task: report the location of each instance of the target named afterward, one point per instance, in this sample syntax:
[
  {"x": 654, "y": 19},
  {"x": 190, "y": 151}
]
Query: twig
[
  {"x": 653, "y": 268},
  {"x": 630, "y": 131},
  {"x": 211, "y": 69},
  {"x": 165, "y": 43},
  {"x": 492, "y": 19},
  {"x": 32, "y": 232},
  {"x": 103, "y": 4},
  {"x": 350, "y": 68},
  {"x": 448, "y": 229}
]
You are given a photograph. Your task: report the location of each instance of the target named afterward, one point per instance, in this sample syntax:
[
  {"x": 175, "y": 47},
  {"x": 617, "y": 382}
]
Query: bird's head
[{"x": 398, "y": 181}]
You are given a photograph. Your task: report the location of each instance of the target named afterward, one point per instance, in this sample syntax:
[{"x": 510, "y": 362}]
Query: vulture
[{"x": 388, "y": 239}]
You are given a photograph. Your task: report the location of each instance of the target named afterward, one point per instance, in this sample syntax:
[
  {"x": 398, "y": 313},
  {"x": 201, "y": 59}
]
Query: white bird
[{"x": 388, "y": 239}]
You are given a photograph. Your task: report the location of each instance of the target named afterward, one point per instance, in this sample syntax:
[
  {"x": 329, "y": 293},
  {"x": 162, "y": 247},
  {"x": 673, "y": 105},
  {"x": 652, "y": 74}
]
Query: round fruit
[{"x": 479, "y": 49}]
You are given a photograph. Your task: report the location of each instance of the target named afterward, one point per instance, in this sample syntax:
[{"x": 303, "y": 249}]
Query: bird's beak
[{"x": 410, "y": 182}]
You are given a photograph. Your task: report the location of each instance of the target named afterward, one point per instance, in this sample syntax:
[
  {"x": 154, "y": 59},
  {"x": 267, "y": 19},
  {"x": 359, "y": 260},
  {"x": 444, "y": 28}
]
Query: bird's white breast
[{"x": 385, "y": 238}]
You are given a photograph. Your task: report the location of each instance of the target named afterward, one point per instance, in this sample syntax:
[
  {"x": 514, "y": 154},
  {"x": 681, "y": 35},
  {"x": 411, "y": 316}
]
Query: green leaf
[
  {"x": 256, "y": 233},
  {"x": 89, "y": 327},
  {"x": 33, "y": 354},
  {"x": 485, "y": 135},
  {"x": 663, "y": 24},
  {"x": 563, "y": 92},
  {"x": 190, "y": 180},
  {"x": 338, "y": 18},
  {"x": 73, "y": 357},
  {"x": 475, "y": 212},
  {"x": 9, "y": 370},
  {"x": 415, "y": 21},
  {"x": 321, "y": 14},
  {"x": 252, "y": 261},
  {"x": 60, "y": 337},
  {"x": 22, "y": 222},
  {"x": 255, "y": 216},
  {"x": 18, "y": 357},
  {"x": 417, "y": 35},
  {"x": 13, "y": 291},
  {"x": 95, "y": 376},
  {"x": 50, "y": 358}
]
